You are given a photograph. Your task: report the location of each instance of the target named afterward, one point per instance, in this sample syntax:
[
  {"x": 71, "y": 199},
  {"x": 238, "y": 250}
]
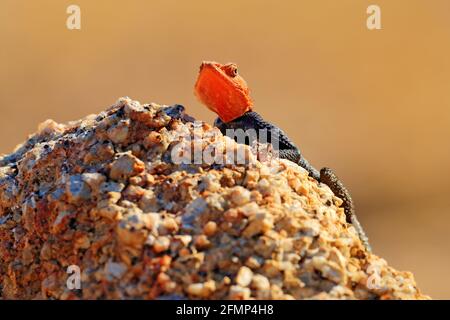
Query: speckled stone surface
[{"x": 104, "y": 194}]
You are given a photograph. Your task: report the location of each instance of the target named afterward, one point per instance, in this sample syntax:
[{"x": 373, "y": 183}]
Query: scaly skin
[{"x": 234, "y": 112}]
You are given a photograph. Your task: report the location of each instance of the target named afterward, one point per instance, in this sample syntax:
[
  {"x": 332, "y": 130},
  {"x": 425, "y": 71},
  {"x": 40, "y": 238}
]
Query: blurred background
[{"x": 373, "y": 105}]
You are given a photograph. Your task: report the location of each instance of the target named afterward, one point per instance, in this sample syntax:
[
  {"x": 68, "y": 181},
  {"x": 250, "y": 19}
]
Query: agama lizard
[{"x": 225, "y": 92}]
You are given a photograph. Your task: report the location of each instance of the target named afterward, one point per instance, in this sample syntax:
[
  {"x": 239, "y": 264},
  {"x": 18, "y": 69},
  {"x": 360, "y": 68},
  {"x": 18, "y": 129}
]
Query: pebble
[
  {"x": 244, "y": 276},
  {"x": 125, "y": 167}
]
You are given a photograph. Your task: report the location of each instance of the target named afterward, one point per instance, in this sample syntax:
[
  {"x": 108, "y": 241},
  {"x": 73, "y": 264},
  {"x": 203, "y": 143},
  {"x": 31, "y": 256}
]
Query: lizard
[{"x": 223, "y": 90}]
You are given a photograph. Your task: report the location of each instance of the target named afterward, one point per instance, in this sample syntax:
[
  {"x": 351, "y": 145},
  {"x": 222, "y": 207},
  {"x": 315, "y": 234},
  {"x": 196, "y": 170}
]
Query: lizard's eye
[
  {"x": 234, "y": 71},
  {"x": 231, "y": 70}
]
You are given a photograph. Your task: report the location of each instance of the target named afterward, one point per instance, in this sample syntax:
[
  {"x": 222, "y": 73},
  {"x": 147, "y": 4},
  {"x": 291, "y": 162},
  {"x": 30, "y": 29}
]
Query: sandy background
[{"x": 373, "y": 105}]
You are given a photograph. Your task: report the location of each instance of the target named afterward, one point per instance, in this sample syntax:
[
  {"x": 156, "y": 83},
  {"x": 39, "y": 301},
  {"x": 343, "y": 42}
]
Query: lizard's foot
[{"x": 328, "y": 177}]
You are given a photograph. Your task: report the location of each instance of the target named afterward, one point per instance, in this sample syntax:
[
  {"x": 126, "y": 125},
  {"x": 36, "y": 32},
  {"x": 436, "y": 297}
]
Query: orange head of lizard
[{"x": 223, "y": 90}]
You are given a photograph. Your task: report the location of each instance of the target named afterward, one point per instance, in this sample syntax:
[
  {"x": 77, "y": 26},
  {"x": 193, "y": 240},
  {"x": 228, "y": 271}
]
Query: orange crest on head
[{"x": 223, "y": 90}]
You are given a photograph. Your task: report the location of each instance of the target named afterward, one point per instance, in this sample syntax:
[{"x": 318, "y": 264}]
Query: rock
[
  {"x": 77, "y": 190},
  {"x": 119, "y": 132},
  {"x": 126, "y": 166},
  {"x": 107, "y": 194},
  {"x": 161, "y": 244},
  {"x": 244, "y": 276},
  {"x": 239, "y": 293},
  {"x": 259, "y": 223}
]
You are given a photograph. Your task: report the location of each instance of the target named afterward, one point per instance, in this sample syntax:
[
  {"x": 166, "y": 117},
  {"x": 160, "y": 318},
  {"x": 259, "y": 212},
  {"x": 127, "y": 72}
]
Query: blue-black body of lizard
[{"x": 287, "y": 150}]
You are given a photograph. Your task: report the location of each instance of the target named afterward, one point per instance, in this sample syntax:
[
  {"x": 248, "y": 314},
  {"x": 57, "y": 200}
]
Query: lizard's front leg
[{"x": 328, "y": 177}]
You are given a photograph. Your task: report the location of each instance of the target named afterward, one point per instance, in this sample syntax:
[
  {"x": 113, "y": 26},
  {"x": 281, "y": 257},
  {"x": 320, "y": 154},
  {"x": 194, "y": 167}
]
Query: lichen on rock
[{"x": 105, "y": 194}]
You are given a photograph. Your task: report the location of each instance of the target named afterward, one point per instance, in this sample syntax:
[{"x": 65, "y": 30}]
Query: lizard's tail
[{"x": 328, "y": 177}]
